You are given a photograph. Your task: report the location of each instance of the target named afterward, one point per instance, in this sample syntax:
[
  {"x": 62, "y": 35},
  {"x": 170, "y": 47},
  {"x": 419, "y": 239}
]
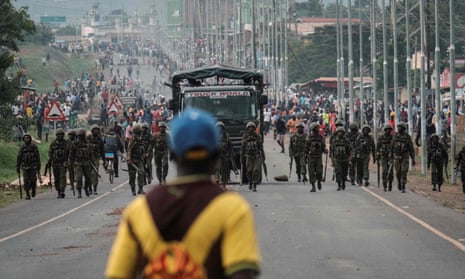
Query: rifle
[
  {"x": 94, "y": 168},
  {"x": 377, "y": 166},
  {"x": 20, "y": 188},
  {"x": 290, "y": 167},
  {"x": 265, "y": 169},
  {"x": 326, "y": 166}
]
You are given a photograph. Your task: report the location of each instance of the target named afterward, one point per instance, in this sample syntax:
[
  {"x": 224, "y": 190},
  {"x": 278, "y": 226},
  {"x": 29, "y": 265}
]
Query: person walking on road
[
  {"x": 79, "y": 159},
  {"x": 28, "y": 160},
  {"x": 252, "y": 155},
  {"x": 437, "y": 160},
  {"x": 460, "y": 160},
  {"x": 314, "y": 149},
  {"x": 280, "y": 131},
  {"x": 297, "y": 152},
  {"x": 340, "y": 148},
  {"x": 402, "y": 147},
  {"x": 172, "y": 220},
  {"x": 97, "y": 153},
  {"x": 226, "y": 154},
  {"x": 352, "y": 136},
  {"x": 58, "y": 154},
  {"x": 384, "y": 157},
  {"x": 135, "y": 159},
  {"x": 161, "y": 150},
  {"x": 365, "y": 146}
]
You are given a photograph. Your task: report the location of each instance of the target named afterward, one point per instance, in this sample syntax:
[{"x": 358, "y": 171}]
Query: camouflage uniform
[
  {"x": 97, "y": 152},
  {"x": 340, "y": 149},
  {"x": 437, "y": 159},
  {"x": 402, "y": 147},
  {"x": 69, "y": 142},
  {"x": 314, "y": 148},
  {"x": 365, "y": 146},
  {"x": 460, "y": 160},
  {"x": 148, "y": 143},
  {"x": 252, "y": 155},
  {"x": 297, "y": 152},
  {"x": 352, "y": 136},
  {"x": 58, "y": 155},
  {"x": 225, "y": 152},
  {"x": 80, "y": 158},
  {"x": 160, "y": 146},
  {"x": 135, "y": 159},
  {"x": 384, "y": 157},
  {"x": 28, "y": 160}
]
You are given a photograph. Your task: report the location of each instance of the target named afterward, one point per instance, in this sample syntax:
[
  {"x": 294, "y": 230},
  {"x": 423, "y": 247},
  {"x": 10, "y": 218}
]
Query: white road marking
[
  {"x": 422, "y": 223},
  {"x": 63, "y": 214}
]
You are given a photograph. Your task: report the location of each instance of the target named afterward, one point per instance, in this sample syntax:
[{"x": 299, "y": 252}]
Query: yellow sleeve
[
  {"x": 240, "y": 245},
  {"x": 125, "y": 254}
]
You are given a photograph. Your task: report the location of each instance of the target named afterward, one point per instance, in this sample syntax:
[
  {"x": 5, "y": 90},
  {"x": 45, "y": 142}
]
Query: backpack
[{"x": 111, "y": 143}]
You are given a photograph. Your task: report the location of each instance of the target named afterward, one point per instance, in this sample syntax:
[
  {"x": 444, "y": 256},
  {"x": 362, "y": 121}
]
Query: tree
[{"x": 14, "y": 25}]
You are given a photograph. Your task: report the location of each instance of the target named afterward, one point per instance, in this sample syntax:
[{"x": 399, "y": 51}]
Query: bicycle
[{"x": 109, "y": 160}]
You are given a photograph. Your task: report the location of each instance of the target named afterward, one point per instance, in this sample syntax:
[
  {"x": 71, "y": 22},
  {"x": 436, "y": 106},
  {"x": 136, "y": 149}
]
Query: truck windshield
[{"x": 224, "y": 105}]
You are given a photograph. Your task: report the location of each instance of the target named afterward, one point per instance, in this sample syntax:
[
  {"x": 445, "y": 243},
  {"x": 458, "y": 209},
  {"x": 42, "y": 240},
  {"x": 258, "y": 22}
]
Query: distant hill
[{"x": 60, "y": 67}]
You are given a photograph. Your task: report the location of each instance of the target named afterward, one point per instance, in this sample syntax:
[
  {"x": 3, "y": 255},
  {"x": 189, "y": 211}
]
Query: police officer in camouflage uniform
[
  {"x": 136, "y": 154},
  {"x": 365, "y": 146},
  {"x": 79, "y": 159},
  {"x": 341, "y": 152},
  {"x": 225, "y": 152},
  {"x": 297, "y": 152},
  {"x": 97, "y": 152},
  {"x": 402, "y": 147},
  {"x": 460, "y": 161},
  {"x": 252, "y": 155},
  {"x": 314, "y": 148},
  {"x": 148, "y": 143},
  {"x": 58, "y": 155},
  {"x": 437, "y": 159},
  {"x": 28, "y": 160},
  {"x": 352, "y": 136},
  {"x": 161, "y": 150},
  {"x": 69, "y": 142},
  {"x": 384, "y": 157}
]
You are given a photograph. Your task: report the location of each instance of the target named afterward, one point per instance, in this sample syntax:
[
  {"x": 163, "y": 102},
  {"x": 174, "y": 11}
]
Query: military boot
[
  {"x": 439, "y": 187},
  {"x": 254, "y": 187},
  {"x": 250, "y": 186},
  {"x": 385, "y": 186},
  {"x": 390, "y": 186},
  {"x": 140, "y": 191},
  {"x": 434, "y": 187},
  {"x": 86, "y": 190},
  {"x": 319, "y": 185},
  {"x": 28, "y": 196},
  {"x": 33, "y": 192},
  {"x": 343, "y": 185},
  {"x": 403, "y": 188},
  {"x": 79, "y": 193},
  {"x": 352, "y": 181},
  {"x": 133, "y": 190},
  {"x": 95, "y": 190},
  {"x": 298, "y": 177},
  {"x": 339, "y": 186},
  {"x": 366, "y": 182},
  {"x": 313, "y": 187}
]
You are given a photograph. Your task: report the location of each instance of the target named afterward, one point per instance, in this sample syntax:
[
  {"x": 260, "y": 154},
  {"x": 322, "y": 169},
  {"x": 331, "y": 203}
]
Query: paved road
[{"x": 358, "y": 233}]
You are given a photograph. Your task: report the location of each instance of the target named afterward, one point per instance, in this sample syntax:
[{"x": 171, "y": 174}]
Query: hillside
[{"x": 60, "y": 67}]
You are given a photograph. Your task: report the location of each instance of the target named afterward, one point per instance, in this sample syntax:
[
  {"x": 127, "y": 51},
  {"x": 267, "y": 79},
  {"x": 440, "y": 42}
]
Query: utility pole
[
  {"x": 453, "y": 102},
  {"x": 408, "y": 72},
  {"x": 373, "y": 65},
  {"x": 422, "y": 87},
  {"x": 362, "y": 89},
  {"x": 385, "y": 69},
  {"x": 351, "y": 66},
  {"x": 396, "y": 60},
  {"x": 338, "y": 60},
  {"x": 436, "y": 68}
]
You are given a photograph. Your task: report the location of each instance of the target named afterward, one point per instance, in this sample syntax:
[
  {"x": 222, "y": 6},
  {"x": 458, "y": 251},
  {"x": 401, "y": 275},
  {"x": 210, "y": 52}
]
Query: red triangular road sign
[
  {"x": 55, "y": 112},
  {"x": 117, "y": 101},
  {"x": 113, "y": 108}
]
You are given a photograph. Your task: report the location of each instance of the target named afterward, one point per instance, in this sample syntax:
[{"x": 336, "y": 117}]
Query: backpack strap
[{"x": 198, "y": 240}]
